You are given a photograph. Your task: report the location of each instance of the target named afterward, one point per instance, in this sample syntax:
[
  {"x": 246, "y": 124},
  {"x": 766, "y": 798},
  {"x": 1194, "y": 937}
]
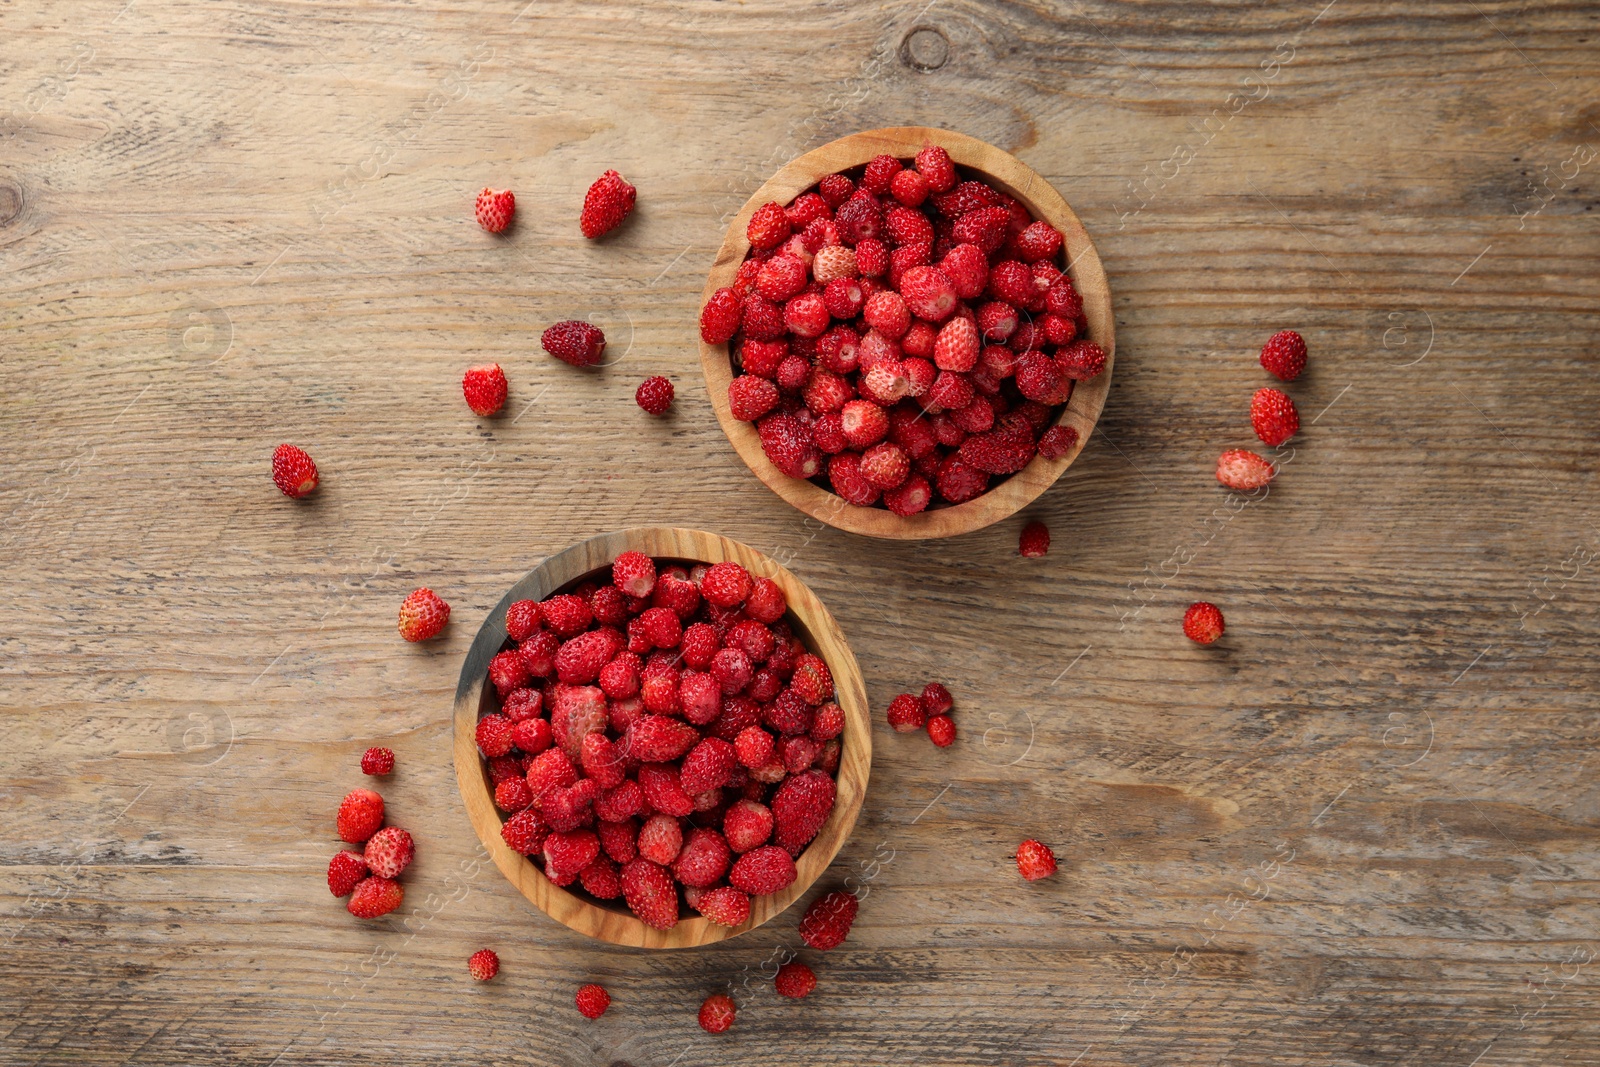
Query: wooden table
[{"x": 1364, "y": 829}]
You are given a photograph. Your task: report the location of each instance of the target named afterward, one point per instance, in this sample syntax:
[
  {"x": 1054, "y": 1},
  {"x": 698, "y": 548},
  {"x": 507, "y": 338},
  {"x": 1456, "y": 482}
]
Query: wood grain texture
[
  {"x": 612, "y": 921},
  {"x": 1001, "y": 170},
  {"x": 1362, "y": 830}
]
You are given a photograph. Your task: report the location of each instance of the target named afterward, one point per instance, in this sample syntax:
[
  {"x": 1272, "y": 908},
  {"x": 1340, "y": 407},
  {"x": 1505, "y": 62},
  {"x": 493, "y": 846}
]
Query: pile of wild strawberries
[
  {"x": 662, "y": 730},
  {"x": 903, "y": 334},
  {"x": 370, "y": 877}
]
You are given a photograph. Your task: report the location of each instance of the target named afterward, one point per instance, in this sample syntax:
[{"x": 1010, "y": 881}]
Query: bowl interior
[
  {"x": 809, "y": 620},
  {"x": 1082, "y": 263}
]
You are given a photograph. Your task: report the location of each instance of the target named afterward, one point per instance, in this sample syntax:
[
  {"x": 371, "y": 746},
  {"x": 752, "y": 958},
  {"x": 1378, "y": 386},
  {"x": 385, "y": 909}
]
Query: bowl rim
[
  {"x": 814, "y": 623},
  {"x": 1082, "y": 411}
]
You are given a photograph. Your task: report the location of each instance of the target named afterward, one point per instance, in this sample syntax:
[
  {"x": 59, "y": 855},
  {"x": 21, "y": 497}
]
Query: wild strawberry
[
  {"x": 1012, "y": 282},
  {"x": 942, "y": 730},
  {"x": 843, "y": 298},
  {"x": 522, "y": 619},
  {"x": 538, "y": 653},
  {"x": 1063, "y": 300},
  {"x": 532, "y": 735},
  {"x": 747, "y": 825},
  {"x": 619, "y": 839},
  {"x": 859, "y": 219},
  {"x": 1273, "y": 416},
  {"x": 846, "y": 480},
  {"x": 483, "y": 964},
  {"x": 906, "y": 714},
  {"x": 634, "y": 573},
  {"x": 793, "y": 374},
  {"x": 750, "y": 397},
  {"x": 494, "y": 735},
  {"x": 768, "y": 227},
  {"x": 794, "y": 980},
  {"x": 968, "y": 270},
  {"x": 1039, "y": 240},
  {"x": 508, "y": 673},
  {"x": 709, "y": 765},
  {"x": 885, "y": 465},
  {"x": 650, "y": 893},
  {"x": 513, "y": 794},
  {"x": 766, "y": 602},
  {"x": 551, "y": 769},
  {"x": 872, "y": 258},
  {"x": 732, "y": 669},
  {"x": 345, "y": 871},
  {"x": 293, "y": 471},
  {"x": 879, "y": 174},
  {"x": 1035, "y": 540},
  {"x": 725, "y": 584},
  {"x": 905, "y": 258},
  {"x": 1284, "y": 355},
  {"x": 495, "y": 208},
  {"x": 950, "y": 391},
  {"x": 763, "y": 871},
  {"x": 828, "y": 920},
  {"x": 1035, "y": 860},
  {"x": 959, "y": 482},
  {"x": 799, "y": 808},
  {"x": 716, "y": 1013},
  {"x": 360, "y": 815},
  {"x": 997, "y": 320},
  {"x": 720, "y": 318},
  {"x": 660, "y": 785},
  {"x": 864, "y": 423},
  {"x": 607, "y": 203},
  {"x": 485, "y": 389},
  {"x": 978, "y": 418},
  {"x": 910, "y": 497},
  {"x": 566, "y": 614},
  {"x": 602, "y": 879},
  {"x": 1202, "y": 623},
  {"x": 966, "y": 197},
  {"x": 928, "y": 293},
  {"x": 377, "y": 761},
  {"x": 593, "y": 1000},
  {"x": 781, "y": 277},
  {"x": 789, "y": 446},
  {"x": 660, "y": 839},
  {"x": 753, "y": 747},
  {"x": 886, "y": 312},
  {"x": 654, "y": 395},
  {"x": 904, "y": 227},
  {"x": 998, "y": 452},
  {"x": 1040, "y": 378},
  {"x": 909, "y": 188},
  {"x": 389, "y": 851},
  {"x": 566, "y": 852},
  {"x": 724, "y": 906},
  {"x": 703, "y": 860},
  {"x": 574, "y": 342},
  {"x": 985, "y": 227},
  {"x": 657, "y": 738},
  {"x": 956, "y": 348},
  {"x": 936, "y": 167},
  {"x": 1057, "y": 442},
  {"x": 834, "y": 263},
  {"x": 826, "y": 392},
  {"x": 568, "y": 808},
  {"x": 1081, "y": 360},
  {"x": 374, "y": 897},
  {"x": 1244, "y": 471},
  {"x": 835, "y": 189},
  {"x": 525, "y": 832},
  {"x": 812, "y": 680},
  {"x": 885, "y": 381}
]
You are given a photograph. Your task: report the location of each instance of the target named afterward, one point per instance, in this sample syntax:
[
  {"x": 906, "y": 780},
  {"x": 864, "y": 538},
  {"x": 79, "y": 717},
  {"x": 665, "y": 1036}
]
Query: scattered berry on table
[
  {"x": 345, "y": 871},
  {"x": 360, "y": 816},
  {"x": 485, "y": 389},
  {"x": 483, "y": 964},
  {"x": 1244, "y": 471},
  {"x": 1202, "y": 623},
  {"x": 942, "y": 730},
  {"x": 593, "y": 1000},
  {"x": 495, "y": 208},
  {"x": 293, "y": 471},
  {"x": 794, "y": 980},
  {"x": 936, "y": 699},
  {"x": 1035, "y": 860},
  {"x": 377, "y": 761},
  {"x": 906, "y": 714},
  {"x": 1284, "y": 355},
  {"x": 1035, "y": 540},
  {"x": 375, "y": 896},
  {"x": 573, "y": 341},
  {"x": 827, "y": 921},
  {"x": 1274, "y": 417},
  {"x": 607, "y": 203},
  {"x": 389, "y": 851},
  {"x": 423, "y": 615},
  {"x": 716, "y": 1013},
  {"x": 654, "y": 395}
]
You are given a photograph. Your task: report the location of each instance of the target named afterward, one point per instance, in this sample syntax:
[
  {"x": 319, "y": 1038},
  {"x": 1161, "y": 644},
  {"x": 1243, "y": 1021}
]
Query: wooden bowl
[
  {"x": 1009, "y": 174},
  {"x": 610, "y": 920}
]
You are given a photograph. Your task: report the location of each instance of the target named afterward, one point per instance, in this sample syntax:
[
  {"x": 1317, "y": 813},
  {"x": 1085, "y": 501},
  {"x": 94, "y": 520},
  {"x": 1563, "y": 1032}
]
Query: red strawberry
[
  {"x": 720, "y": 318},
  {"x": 483, "y": 964},
  {"x": 1202, "y": 623},
  {"x": 747, "y": 824},
  {"x": 936, "y": 699},
  {"x": 835, "y": 189},
  {"x": 650, "y": 893},
  {"x": 660, "y": 839},
  {"x": 525, "y": 832},
  {"x": 657, "y": 738},
  {"x": 1040, "y": 378},
  {"x": 606, "y": 204},
  {"x": 360, "y": 815},
  {"x": 885, "y": 465},
  {"x": 1273, "y": 416},
  {"x": 1035, "y": 540},
  {"x": 1081, "y": 360},
  {"x": 799, "y": 808},
  {"x": 812, "y": 680},
  {"x": 634, "y": 573},
  {"x": 959, "y": 482},
  {"x": 593, "y": 1000},
  {"x": 998, "y": 452},
  {"x": 662, "y": 789},
  {"x": 389, "y": 851},
  {"x": 956, "y": 348},
  {"x": 906, "y": 714},
  {"x": 703, "y": 859},
  {"x": 942, "y": 730},
  {"x": 768, "y": 227},
  {"x": 567, "y": 615},
  {"x": 1057, "y": 441},
  {"x": 485, "y": 389},
  {"x": 904, "y": 226},
  {"x": 551, "y": 769},
  {"x": 1038, "y": 240},
  {"x": 574, "y": 342},
  {"x": 619, "y": 839},
  {"x": 654, "y": 395},
  {"x": 570, "y": 851},
  {"x": 724, "y": 906},
  {"x": 763, "y": 871},
  {"x": 508, "y": 673},
  {"x": 495, "y": 208},
  {"x": 750, "y": 397},
  {"x": 936, "y": 167},
  {"x": 709, "y": 765},
  {"x": 859, "y": 219},
  {"x": 968, "y": 270},
  {"x": 794, "y": 980},
  {"x": 966, "y": 197},
  {"x": 375, "y": 896},
  {"x": 828, "y": 920},
  {"x": 1244, "y": 471},
  {"x": 293, "y": 471},
  {"x": 1284, "y": 355},
  {"x": 345, "y": 871},
  {"x": 602, "y": 879},
  {"x": 1035, "y": 860},
  {"x": 985, "y": 227},
  {"x": 716, "y": 1013},
  {"x": 909, "y": 187},
  {"x": 377, "y": 761},
  {"x": 928, "y": 293},
  {"x": 789, "y": 446}
]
